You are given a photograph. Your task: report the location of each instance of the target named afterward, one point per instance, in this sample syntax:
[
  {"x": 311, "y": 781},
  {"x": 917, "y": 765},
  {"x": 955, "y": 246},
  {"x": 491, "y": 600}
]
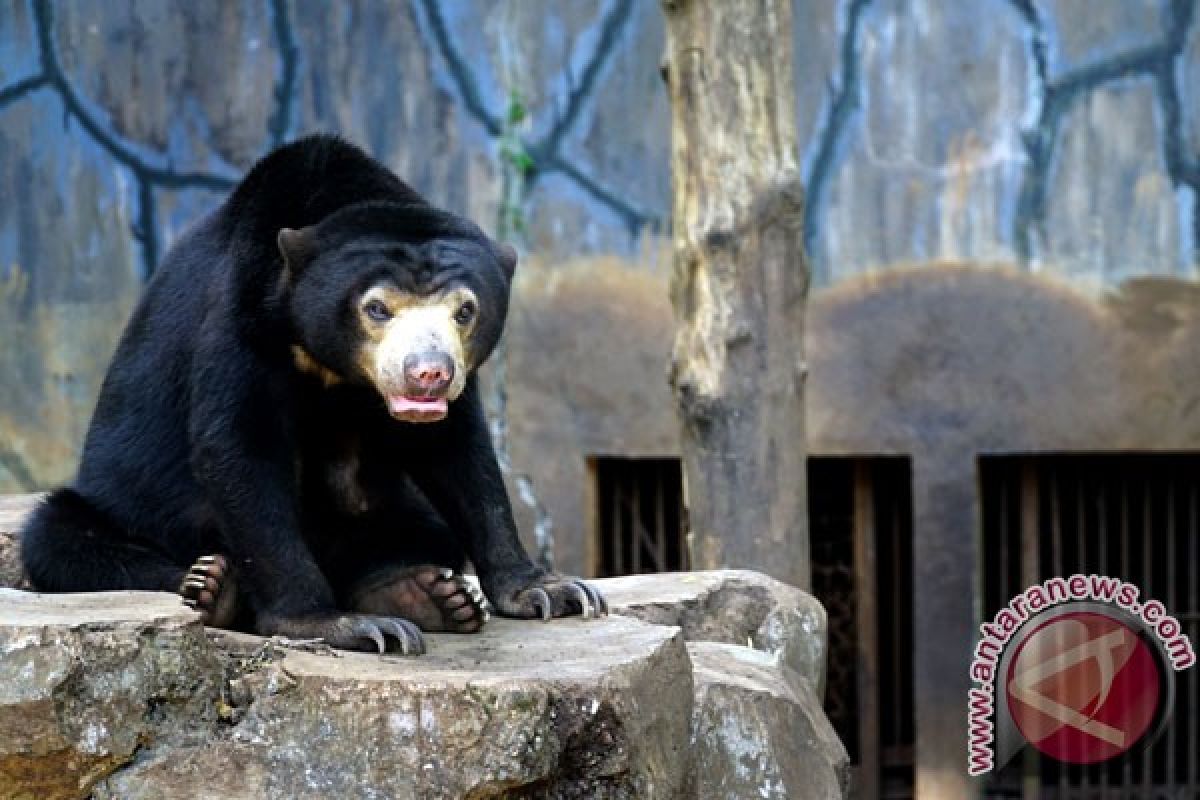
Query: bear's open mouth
[{"x": 417, "y": 409}]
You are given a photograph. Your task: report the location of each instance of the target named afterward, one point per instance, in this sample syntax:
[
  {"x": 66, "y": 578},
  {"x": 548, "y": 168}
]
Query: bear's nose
[{"x": 428, "y": 373}]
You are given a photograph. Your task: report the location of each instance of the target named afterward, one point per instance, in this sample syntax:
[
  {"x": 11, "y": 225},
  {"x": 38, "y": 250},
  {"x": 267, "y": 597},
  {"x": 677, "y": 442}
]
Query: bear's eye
[
  {"x": 465, "y": 313},
  {"x": 376, "y": 310}
]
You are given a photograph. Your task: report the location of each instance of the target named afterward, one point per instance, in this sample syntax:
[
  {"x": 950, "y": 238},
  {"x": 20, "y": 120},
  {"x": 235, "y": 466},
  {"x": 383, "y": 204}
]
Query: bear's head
[{"x": 407, "y": 299}]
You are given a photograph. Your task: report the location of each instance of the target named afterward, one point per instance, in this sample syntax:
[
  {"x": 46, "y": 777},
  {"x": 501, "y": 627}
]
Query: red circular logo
[{"x": 1083, "y": 687}]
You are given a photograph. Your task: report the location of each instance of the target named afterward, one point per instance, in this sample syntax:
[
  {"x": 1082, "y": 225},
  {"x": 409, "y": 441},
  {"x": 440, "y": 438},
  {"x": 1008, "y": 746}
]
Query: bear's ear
[
  {"x": 297, "y": 247},
  {"x": 508, "y": 258}
]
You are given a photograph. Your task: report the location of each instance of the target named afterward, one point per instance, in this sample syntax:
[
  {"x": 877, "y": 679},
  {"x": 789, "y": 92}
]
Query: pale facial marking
[
  {"x": 398, "y": 325},
  {"x": 305, "y": 362}
]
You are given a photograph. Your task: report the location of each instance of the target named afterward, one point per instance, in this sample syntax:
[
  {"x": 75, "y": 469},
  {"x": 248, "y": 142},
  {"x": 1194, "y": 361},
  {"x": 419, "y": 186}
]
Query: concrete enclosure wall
[
  {"x": 1048, "y": 149},
  {"x": 1059, "y": 136}
]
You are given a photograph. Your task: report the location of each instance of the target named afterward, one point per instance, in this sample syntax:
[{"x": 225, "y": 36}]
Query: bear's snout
[{"x": 428, "y": 373}]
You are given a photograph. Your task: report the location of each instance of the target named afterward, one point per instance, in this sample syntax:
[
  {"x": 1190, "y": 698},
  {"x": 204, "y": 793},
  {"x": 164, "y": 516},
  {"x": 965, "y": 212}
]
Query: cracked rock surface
[
  {"x": 571, "y": 709},
  {"x": 125, "y": 695},
  {"x": 13, "y": 510},
  {"x": 87, "y": 681},
  {"x": 759, "y": 730},
  {"x": 733, "y": 606}
]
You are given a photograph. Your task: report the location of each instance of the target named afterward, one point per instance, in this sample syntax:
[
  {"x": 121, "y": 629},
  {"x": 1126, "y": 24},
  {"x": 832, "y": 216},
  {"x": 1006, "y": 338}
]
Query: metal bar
[
  {"x": 685, "y": 551},
  {"x": 1031, "y": 781},
  {"x": 644, "y": 543},
  {"x": 1004, "y": 584},
  {"x": 1081, "y": 526},
  {"x": 1172, "y": 603},
  {"x": 635, "y": 525},
  {"x": 867, "y": 626},
  {"x": 1102, "y": 524},
  {"x": 1056, "y": 556},
  {"x": 897, "y": 650},
  {"x": 1127, "y": 778},
  {"x": 1193, "y": 674},
  {"x": 593, "y": 543},
  {"x": 645, "y": 533},
  {"x": 603, "y": 523},
  {"x": 1081, "y": 563},
  {"x": 1101, "y": 495},
  {"x": 1030, "y": 569},
  {"x": 1147, "y": 575},
  {"x": 660, "y": 519},
  {"x": 619, "y": 567}
]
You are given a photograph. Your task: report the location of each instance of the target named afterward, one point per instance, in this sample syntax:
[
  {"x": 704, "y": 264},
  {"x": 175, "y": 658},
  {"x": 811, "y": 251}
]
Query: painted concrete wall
[
  {"x": 1060, "y": 136},
  {"x": 1048, "y": 148},
  {"x": 122, "y": 122}
]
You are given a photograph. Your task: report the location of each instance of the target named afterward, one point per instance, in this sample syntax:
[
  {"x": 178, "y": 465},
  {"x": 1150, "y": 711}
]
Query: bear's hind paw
[
  {"x": 435, "y": 598},
  {"x": 209, "y": 587}
]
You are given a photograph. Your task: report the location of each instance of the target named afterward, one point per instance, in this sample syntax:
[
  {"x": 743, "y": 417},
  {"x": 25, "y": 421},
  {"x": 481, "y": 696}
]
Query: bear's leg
[
  {"x": 400, "y": 559},
  {"x": 464, "y": 486},
  {"x": 68, "y": 545}
]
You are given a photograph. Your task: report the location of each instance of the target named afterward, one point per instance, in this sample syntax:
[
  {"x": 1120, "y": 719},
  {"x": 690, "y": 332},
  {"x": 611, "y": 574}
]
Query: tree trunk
[{"x": 739, "y": 284}]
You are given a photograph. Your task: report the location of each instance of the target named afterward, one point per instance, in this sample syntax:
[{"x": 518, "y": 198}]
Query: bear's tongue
[{"x": 417, "y": 408}]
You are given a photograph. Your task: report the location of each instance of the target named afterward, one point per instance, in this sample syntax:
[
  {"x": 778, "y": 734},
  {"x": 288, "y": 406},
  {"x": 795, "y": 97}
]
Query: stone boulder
[
  {"x": 758, "y": 730},
  {"x": 123, "y": 695},
  {"x": 88, "y": 681},
  {"x": 731, "y": 606},
  {"x": 13, "y": 510},
  {"x": 571, "y": 709}
]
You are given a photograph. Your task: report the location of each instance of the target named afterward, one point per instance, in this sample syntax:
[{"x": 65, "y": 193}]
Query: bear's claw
[
  {"x": 557, "y": 597},
  {"x": 585, "y": 599},
  {"x": 208, "y": 587},
  {"x": 369, "y": 630},
  {"x": 541, "y": 601},
  {"x": 598, "y": 599},
  {"x": 347, "y": 631},
  {"x": 407, "y": 634},
  {"x": 479, "y": 600},
  {"x": 591, "y": 602}
]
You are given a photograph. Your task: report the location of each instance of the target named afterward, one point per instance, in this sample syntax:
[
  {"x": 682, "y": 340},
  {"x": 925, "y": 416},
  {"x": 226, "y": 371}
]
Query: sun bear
[{"x": 290, "y": 433}]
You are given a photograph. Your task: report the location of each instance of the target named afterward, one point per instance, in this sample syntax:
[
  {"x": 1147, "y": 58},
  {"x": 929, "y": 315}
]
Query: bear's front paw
[
  {"x": 549, "y": 596},
  {"x": 349, "y": 631}
]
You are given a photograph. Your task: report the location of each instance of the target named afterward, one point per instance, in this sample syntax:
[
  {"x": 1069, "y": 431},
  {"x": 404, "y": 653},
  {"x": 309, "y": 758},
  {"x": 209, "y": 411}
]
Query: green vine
[
  {"x": 516, "y": 167},
  {"x": 517, "y": 170}
]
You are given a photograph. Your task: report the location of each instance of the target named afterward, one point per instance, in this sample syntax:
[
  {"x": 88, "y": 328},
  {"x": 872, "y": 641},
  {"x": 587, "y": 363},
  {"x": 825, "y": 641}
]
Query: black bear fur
[{"x": 209, "y": 438}]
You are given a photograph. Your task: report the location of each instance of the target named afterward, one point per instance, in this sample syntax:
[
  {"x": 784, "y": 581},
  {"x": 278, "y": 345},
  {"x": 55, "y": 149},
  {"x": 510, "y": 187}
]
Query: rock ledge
[{"x": 701, "y": 685}]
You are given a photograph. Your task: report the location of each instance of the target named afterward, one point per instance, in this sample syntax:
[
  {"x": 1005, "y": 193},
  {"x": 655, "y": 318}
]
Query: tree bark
[{"x": 739, "y": 283}]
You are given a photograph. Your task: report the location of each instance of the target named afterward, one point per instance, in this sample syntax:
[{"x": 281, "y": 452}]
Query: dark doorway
[
  {"x": 639, "y": 516},
  {"x": 1130, "y": 516},
  {"x": 860, "y": 519},
  {"x": 860, "y": 512}
]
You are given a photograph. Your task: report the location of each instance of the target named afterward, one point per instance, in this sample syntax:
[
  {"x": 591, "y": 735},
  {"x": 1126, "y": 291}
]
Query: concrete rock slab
[
  {"x": 759, "y": 730},
  {"x": 124, "y": 695},
  {"x": 568, "y": 709},
  {"x": 88, "y": 680},
  {"x": 732, "y": 606}
]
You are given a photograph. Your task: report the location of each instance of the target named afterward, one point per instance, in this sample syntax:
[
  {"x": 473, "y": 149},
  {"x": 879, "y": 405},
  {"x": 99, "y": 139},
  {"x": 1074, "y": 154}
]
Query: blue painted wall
[{"x": 1057, "y": 135}]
